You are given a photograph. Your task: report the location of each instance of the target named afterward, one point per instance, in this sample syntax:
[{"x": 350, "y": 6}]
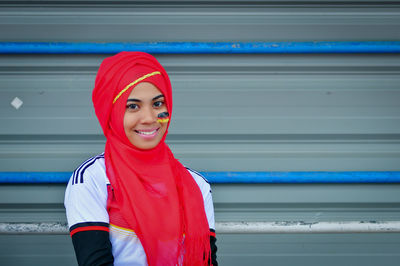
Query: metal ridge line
[
  {"x": 231, "y": 177},
  {"x": 288, "y": 227},
  {"x": 200, "y": 47}
]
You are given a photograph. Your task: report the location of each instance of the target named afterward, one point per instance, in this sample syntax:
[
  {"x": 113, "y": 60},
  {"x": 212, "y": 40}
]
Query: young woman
[{"x": 135, "y": 204}]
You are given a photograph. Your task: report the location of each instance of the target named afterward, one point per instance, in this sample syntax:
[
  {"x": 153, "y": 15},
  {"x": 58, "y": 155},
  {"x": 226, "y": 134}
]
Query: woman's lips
[{"x": 147, "y": 133}]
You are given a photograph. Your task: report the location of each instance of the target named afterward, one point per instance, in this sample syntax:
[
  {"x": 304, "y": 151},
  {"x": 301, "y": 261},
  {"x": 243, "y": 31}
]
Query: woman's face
[{"x": 144, "y": 104}]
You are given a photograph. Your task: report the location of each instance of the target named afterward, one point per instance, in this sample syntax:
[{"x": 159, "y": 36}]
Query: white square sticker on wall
[{"x": 17, "y": 103}]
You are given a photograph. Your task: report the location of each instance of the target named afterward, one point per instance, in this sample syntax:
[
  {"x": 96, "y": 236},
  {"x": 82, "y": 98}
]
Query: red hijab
[{"x": 158, "y": 197}]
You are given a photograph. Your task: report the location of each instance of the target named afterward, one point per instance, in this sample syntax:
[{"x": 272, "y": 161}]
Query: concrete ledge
[{"x": 235, "y": 227}]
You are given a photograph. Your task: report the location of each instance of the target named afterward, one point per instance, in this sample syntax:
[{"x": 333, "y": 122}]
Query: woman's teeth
[{"x": 146, "y": 132}]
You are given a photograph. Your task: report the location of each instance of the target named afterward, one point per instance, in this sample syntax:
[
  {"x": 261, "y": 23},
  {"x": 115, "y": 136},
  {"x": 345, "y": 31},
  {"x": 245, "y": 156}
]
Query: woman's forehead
[{"x": 145, "y": 90}]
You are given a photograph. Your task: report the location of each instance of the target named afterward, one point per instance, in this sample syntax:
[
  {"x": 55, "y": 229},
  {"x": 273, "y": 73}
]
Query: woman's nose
[{"x": 148, "y": 116}]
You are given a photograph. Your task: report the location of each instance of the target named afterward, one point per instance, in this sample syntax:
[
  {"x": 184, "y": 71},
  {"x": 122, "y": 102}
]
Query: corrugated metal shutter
[{"x": 282, "y": 112}]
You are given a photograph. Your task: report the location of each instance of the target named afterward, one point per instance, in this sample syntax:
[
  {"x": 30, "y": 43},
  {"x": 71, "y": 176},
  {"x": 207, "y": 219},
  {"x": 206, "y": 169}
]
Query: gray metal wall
[{"x": 232, "y": 113}]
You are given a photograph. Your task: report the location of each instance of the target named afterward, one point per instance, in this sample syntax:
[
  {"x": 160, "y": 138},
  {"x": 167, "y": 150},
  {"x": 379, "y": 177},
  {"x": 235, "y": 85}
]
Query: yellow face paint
[{"x": 163, "y": 120}]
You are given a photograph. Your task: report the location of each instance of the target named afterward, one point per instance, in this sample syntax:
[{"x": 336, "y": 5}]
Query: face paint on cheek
[{"x": 163, "y": 117}]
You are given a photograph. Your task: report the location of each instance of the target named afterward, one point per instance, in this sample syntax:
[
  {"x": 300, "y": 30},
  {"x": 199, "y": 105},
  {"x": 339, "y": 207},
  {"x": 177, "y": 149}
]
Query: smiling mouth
[{"x": 147, "y": 133}]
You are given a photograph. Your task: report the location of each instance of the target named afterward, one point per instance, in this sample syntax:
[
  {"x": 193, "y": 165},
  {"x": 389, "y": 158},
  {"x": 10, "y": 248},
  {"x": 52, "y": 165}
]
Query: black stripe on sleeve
[
  {"x": 87, "y": 224},
  {"x": 93, "y": 248},
  {"x": 214, "y": 248},
  {"x": 78, "y": 173}
]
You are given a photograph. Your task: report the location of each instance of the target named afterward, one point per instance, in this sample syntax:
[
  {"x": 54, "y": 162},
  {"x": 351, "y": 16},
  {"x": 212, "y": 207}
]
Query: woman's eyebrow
[
  {"x": 159, "y": 96},
  {"x": 137, "y": 100},
  {"x": 133, "y": 100}
]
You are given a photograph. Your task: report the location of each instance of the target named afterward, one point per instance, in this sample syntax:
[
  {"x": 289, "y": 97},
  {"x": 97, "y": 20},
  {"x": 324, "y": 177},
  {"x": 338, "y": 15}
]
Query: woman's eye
[
  {"x": 132, "y": 106},
  {"x": 158, "y": 104}
]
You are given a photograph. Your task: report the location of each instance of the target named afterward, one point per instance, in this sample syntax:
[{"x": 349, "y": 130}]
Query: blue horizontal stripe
[
  {"x": 302, "y": 177},
  {"x": 200, "y": 47},
  {"x": 232, "y": 177},
  {"x": 34, "y": 177}
]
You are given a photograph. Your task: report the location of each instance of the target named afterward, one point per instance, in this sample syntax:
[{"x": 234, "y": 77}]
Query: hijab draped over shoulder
[{"x": 157, "y": 196}]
